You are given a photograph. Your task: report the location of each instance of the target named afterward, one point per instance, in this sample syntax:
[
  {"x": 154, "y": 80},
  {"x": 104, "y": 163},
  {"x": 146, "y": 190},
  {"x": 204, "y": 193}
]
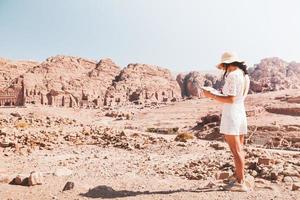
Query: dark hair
[{"x": 240, "y": 65}]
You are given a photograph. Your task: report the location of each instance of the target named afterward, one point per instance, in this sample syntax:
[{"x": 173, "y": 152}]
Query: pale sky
[{"x": 181, "y": 35}]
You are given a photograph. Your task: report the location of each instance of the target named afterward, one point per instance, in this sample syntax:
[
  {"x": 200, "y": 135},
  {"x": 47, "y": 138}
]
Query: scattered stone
[
  {"x": 6, "y": 143},
  {"x": 253, "y": 173},
  {"x": 35, "y": 178},
  {"x": 288, "y": 179},
  {"x": 274, "y": 175},
  {"x": 20, "y": 180},
  {"x": 184, "y": 137},
  {"x": 265, "y": 161},
  {"x": 167, "y": 131},
  {"x": 16, "y": 115},
  {"x": 295, "y": 186},
  {"x": 269, "y": 128},
  {"x": 181, "y": 144},
  {"x": 218, "y": 146},
  {"x": 120, "y": 115},
  {"x": 210, "y": 184},
  {"x": 290, "y": 172},
  {"x": 68, "y": 186},
  {"x": 250, "y": 181},
  {"x": 25, "y": 141},
  {"x": 223, "y": 175}
]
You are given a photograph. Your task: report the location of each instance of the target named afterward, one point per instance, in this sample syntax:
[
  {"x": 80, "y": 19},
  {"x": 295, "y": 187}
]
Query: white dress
[{"x": 233, "y": 120}]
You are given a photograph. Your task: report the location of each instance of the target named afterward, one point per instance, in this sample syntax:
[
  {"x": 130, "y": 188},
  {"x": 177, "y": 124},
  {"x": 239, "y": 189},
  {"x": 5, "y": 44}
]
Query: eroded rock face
[
  {"x": 273, "y": 74},
  {"x": 142, "y": 84},
  {"x": 190, "y": 83},
  {"x": 180, "y": 81},
  {"x": 76, "y": 82},
  {"x": 9, "y": 70},
  {"x": 11, "y": 92},
  {"x": 69, "y": 81}
]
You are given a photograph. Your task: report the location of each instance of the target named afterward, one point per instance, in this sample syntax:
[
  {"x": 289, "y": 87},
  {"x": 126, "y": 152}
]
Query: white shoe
[{"x": 236, "y": 187}]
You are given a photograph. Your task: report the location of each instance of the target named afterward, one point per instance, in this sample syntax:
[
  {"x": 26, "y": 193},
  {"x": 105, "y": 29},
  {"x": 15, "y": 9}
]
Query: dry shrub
[
  {"x": 184, "y": 137},
  {"x": 21, "y": 124}
]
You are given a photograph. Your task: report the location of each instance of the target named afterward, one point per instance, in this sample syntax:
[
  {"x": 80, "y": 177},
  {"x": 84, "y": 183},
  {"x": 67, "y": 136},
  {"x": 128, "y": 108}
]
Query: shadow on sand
[{"x": 106, "y": 192}]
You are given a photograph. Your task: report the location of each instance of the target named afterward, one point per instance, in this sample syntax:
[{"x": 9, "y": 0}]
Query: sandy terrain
[{"x": 143, "y": 164}]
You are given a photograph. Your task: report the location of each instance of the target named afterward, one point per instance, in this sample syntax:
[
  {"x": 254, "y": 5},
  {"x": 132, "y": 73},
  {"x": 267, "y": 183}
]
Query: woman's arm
[{"x": 222, "y": 99}]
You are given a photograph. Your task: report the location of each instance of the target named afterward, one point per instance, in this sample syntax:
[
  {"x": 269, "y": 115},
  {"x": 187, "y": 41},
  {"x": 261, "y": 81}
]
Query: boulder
[
  {"x": 68, "y": 186},
  {"x": 35, "y": 178}
]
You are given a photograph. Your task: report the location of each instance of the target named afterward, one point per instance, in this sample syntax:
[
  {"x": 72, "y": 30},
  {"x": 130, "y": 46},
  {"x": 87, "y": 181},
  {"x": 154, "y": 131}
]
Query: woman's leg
[
  {"x": 235, "y": 146},
  {"x": 242, "y": 140}
]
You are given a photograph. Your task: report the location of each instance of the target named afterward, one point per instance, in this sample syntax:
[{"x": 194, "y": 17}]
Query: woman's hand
[
  {"x": 208, "y": 94},
  {"x": 222, "y": 99}
]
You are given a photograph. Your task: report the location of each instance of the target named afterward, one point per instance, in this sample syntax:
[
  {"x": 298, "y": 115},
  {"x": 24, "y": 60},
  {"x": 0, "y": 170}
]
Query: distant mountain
[{"x": 77, "y": 82}]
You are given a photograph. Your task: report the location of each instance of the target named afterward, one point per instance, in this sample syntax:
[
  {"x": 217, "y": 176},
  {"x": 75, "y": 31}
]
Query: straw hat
[{"x": 228, "y": 57}]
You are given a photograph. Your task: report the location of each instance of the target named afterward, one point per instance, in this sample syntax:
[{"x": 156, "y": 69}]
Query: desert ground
[{"x": 165, "y": 151}]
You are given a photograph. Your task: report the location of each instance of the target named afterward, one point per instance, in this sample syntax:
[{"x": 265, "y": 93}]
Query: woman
[{"x": 233, "y": 120}]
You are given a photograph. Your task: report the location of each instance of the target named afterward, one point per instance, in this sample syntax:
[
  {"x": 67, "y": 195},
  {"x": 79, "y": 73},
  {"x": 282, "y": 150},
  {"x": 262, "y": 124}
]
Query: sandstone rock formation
[
  {"x": 190, "y": 83},
  {"x": 273, "y": 74},
  {"x": 76, "y": 82},
  {"x": 9, "y": 70},
  {"x": 11, "y": 92},
  {"x": 142, "y": 84},
  {"x": 69, "y": 81}
]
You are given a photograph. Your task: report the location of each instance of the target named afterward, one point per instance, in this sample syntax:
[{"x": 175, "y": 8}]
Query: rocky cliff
[
  {"x": 76, "y": 82},
  {"x": 190, "y": 83},
  {"x": 273, "y": 74},
  {"x": 69, "y": 81},
  {"x": 142, "y": 84}
]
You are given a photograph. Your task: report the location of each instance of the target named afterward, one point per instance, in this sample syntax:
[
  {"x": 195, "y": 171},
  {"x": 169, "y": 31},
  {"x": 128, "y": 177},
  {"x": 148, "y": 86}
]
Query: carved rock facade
[{"x": 142, "y": 84}]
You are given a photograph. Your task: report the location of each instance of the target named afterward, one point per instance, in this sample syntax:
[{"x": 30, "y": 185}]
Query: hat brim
[{"x": 219, "y": 66}]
